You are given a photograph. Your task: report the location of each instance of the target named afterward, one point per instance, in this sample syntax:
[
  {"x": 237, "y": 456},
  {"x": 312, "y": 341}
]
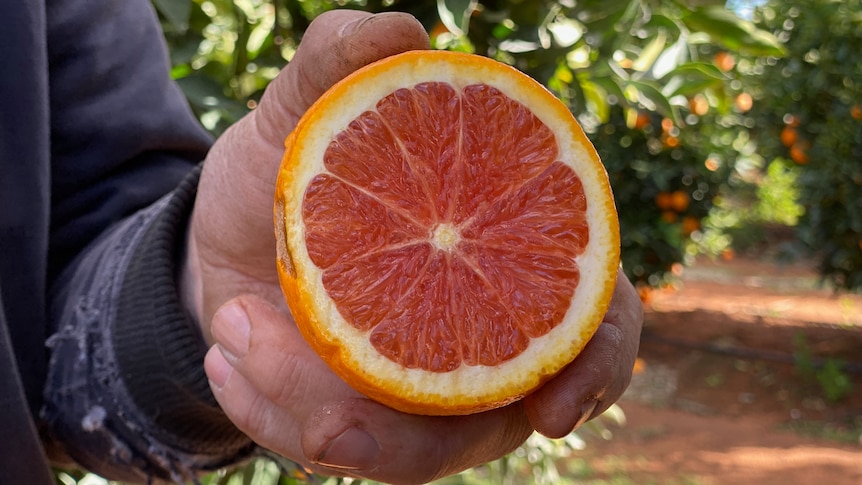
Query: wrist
[{"x": 190, "y": 285}]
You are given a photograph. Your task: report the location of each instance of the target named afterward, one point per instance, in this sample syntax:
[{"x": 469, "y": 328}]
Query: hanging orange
[{"x": 789, "y": 135}]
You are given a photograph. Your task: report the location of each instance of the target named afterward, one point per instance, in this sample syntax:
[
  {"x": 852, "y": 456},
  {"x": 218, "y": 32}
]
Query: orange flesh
[{"x": 442, "y": 267}]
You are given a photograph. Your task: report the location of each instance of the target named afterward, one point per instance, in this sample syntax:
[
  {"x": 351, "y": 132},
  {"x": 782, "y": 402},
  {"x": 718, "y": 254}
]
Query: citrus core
[{"x": 447, "y": 237}]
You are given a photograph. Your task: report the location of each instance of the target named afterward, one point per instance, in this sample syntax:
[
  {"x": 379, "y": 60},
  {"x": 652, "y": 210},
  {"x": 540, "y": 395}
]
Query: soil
[{"x": 726, "y": 390}]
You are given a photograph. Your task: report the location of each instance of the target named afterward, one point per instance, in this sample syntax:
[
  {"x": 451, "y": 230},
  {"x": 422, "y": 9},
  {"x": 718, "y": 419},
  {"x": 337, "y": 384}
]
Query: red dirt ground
[{"x": 719, "y": 400}]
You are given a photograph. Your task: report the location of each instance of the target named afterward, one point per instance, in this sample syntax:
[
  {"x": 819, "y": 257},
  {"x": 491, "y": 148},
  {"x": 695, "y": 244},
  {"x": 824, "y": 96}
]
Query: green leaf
[
  {"x": 610, "y": 86},
  {"x": 203, "y": 90},
  {"x": 725, "y": 28},
  {"x": 455, "y": 14},
  {"x": 261, "y": 35},
  {"x": 699, "y": 69},
  {"x": 183, "y": 51},
  {"x": 650, "y": 52},
  {"x": 651, "y": 96},
  {"x": 675, "y": 54},
  {"x": 603, "y": 14},
  {"x": 176, "y": 12},
  {"x": 689, "y": 88},
  {"x": 691, "y": 78},
  {"x": 658, "y": 21},
  {"x": 597, "y": 98},
  {"x": 578, "y": 100}
]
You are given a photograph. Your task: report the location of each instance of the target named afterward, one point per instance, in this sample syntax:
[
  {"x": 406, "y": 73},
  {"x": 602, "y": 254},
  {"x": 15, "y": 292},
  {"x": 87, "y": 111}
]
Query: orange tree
[
  {"x": 808, "y": 109},
  {"x": 653, "y": 84}
]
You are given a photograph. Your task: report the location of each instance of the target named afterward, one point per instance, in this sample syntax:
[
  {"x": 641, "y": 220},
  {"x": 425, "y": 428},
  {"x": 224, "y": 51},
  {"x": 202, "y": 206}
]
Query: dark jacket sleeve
[{"x": 126, "y": 395}]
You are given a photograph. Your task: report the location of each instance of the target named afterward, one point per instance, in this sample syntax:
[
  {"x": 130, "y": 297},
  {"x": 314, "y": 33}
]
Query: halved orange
[{"x": 447, "y": 237}]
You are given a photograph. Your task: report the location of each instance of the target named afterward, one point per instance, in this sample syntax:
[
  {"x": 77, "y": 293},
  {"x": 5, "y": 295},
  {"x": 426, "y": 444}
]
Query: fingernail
[
  {"x": 218, "y": 369},
  {"x": 355, "y": 26},
  {"x": 586, "y": 411},
  {"x": 231, "y": 330},
  {"x": 353, "y": 449},
  {"x": 352, "y": 27}
]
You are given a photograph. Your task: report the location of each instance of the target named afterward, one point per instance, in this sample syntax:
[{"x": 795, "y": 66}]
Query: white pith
[{"x": 445, "y": 236}]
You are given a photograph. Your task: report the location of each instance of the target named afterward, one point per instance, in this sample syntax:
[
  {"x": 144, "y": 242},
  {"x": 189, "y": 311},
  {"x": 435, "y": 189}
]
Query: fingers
[
  {"x": 263, "y": 374},
  {"x": 252, "y": 412},
  {"x": 277, "y": 391},
  {"x": 598, "y": 376},
  {"x": 363, "y": 438},
  {"x": 584, "y": 388}
]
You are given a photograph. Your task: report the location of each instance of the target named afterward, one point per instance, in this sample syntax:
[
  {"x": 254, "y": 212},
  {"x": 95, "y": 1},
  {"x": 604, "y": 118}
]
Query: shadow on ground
[{"x": 731, "y": 386}]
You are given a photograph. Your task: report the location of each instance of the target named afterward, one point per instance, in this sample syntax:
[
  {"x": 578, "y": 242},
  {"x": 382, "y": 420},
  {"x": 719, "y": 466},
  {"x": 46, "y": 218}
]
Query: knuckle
[
  {"x": 288, "y": 380},
  {"x": 255, "y": 416},
  {"x": 622, "y": 353},
  {"x": 248, "y": 410}
]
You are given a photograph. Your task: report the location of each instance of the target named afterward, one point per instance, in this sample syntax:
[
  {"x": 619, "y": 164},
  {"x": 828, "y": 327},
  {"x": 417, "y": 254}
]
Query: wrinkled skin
[{"x": 269, "y": 382}]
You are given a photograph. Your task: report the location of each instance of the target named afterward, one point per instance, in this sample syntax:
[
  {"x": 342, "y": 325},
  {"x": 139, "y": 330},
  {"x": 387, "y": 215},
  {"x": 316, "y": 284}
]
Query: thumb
[
  {"x": 335, "y": 44},
  {"x": 232, "y": 221}
]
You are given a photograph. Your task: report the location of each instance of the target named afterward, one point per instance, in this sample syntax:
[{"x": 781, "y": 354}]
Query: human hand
[
  {"x": 282, "y": 395},
  {"x": 268, "y": 380}
]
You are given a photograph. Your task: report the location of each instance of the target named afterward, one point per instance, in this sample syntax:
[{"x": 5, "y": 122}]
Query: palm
[{"x": 232, "y": 225}]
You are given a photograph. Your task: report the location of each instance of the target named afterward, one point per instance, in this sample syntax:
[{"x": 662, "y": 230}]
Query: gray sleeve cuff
[{"x": 127, "y": 396}]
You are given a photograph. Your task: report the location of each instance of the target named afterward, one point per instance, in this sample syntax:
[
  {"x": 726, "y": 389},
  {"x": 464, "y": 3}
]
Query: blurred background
[{"x": 732, "y": 133}]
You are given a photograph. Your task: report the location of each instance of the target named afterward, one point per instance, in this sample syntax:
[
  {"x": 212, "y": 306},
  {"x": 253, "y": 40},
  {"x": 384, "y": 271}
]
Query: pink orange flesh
[{"x": 450, "y": 244}]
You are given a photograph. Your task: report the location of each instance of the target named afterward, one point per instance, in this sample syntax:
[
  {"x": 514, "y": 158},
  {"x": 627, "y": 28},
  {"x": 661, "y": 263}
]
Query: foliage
[
  {"x": 747, "y": 214},
  {"x": 643, "y": 77},
  {"x": 629, "y": 70},
  {"x": 830, "y": 374},
  {"x": 809, "y": 109},
  {"x": 778, "y": 193}
]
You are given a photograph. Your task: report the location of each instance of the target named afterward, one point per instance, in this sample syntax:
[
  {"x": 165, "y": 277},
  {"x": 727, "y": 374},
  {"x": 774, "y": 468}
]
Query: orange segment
[{"x": 447, "y": 236}]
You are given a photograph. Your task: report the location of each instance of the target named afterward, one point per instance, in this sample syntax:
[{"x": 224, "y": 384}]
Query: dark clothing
[{"x": 98, "y": 150}]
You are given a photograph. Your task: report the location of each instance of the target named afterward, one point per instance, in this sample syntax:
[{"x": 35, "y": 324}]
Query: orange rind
[{"x": 447, "y": 237}]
